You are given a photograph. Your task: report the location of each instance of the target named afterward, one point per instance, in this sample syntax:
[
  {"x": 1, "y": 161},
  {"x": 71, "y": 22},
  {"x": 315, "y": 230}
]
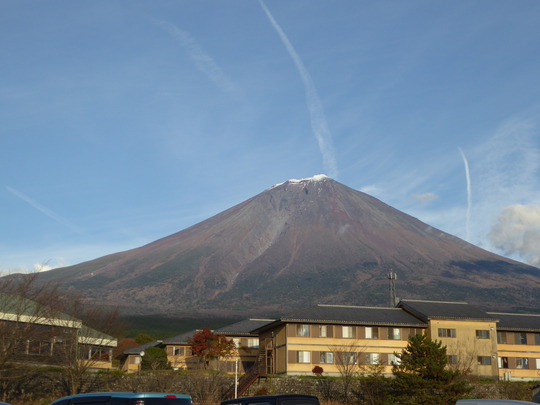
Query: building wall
[
  {"x": 519, "y": 355},
  {"x": 338, "y": 348},
  {"x": 473, "y": 344}
]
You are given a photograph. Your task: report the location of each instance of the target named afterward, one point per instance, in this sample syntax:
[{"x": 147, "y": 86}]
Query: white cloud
[
  {"x": 517, "y": 231},
  {"x": 316, "y": 111},
  {"x": 204, "y": 62}
]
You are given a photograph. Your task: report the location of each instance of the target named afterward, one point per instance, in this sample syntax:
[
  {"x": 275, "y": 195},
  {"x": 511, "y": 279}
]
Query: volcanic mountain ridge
[{"x": 296, "y": 244}]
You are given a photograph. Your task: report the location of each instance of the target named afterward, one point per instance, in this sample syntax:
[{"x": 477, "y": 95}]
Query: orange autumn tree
[{"x": 210, "y": 347}]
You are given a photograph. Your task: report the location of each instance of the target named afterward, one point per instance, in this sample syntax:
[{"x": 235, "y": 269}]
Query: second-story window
[
  {"x": 520, "y": 338},
  {"x": 323, "y": 331},
  {"x": 482, "y": 334},
  {"x": 484, "y": 360},
  {"x": 349, "y": 332},
  {"x": 253, "y": 343},
  {"x": 448, "y": 333},
  {"x": 372, "y": 333},
  {"x": 394, "y": 333},
  {"x": 302, "y": 330}
]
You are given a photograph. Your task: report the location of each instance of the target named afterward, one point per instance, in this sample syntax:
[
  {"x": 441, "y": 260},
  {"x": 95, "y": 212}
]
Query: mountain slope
[{"x": 298, "y": 243}]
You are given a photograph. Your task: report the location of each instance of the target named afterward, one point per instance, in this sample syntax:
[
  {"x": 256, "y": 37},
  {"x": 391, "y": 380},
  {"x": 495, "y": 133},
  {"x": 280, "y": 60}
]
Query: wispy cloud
[
  {"x": 44, "y": 210},
  {"x": 469, "y": 196},
  {"x": 316, "y": 111},
  {"x": 202, "y": 60}
]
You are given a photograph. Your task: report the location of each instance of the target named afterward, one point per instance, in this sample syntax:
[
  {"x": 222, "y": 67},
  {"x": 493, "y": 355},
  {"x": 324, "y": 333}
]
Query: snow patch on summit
[{"x": 317, "y": 177}]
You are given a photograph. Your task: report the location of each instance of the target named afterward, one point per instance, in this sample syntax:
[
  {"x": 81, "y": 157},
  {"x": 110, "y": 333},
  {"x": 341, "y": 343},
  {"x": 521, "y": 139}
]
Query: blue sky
[{"x": 122, "y": 122}]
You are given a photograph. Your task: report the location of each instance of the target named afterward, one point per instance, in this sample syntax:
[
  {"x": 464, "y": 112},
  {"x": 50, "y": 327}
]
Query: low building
[
  {"x": 518, "y": 346},
  {"x": 35, "y": 333},
  {"x": 351, "y": 339}
]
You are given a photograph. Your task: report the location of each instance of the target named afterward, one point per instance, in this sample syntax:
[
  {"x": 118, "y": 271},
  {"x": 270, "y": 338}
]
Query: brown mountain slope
[{"x": 299, "y": 243}]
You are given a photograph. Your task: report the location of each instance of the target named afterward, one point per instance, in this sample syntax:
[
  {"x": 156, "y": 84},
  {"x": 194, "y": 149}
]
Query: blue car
[{"x": 125, "y": 398}]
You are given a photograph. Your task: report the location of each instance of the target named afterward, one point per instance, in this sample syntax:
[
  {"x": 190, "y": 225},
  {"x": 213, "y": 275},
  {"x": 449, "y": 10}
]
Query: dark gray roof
[
  {"x": 354, "y": 315},
  {"x": 518, "y": 322},
  {"x": 142, "y": 348},
  {"x": 180, "y": 339},
  {"x": 427, "y": 310},
  {"x": 244, "y": 328}
]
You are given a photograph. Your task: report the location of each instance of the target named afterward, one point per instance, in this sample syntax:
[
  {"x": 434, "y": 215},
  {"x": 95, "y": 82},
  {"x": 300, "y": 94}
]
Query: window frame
[
  {"x": 303, "y": 357},
  {"x": 351, "y": 329},
  {"x": 303, "y": 330},
  {"x": 447, "y": 333}
]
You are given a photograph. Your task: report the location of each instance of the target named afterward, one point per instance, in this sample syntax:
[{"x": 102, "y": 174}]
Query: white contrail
[
  {"x": 469, "y": 196},
  {"x": 43, "y": 209},
  {"x": 204, "y": 62},
  {"x": 318, "y": 120}
]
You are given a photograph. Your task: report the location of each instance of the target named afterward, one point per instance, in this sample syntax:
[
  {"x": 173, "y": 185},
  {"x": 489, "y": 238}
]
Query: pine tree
[{"x": 422, "y": 377}]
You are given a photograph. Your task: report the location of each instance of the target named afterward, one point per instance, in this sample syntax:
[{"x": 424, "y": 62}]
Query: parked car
[
  {"x": 125, "y": 398},
  {"x": 274, "y": 400},
  {"x": 493, "y": 402}
]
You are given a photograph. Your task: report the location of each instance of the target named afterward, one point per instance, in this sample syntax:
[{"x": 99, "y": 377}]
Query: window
[
  {"x": 349, "y": 358},
  {"x": 302, "y": 330},
  {"x": 39, "y": 347},
  {"x": 394, "y": 333},
  {"x": 537, "y": 364},
  {"x": 323, "y": 331},
  {"x": 394, "y": 359},
  {"x": 179, "y": 351},
  {"x": 482, "y": 334},
  {"x": 373, "y": 358},
  {"x": 447, "y": 333},
  {"x": 253, "y": 343},
  {"x": 98, "y": 354},
  {"x": 522, "y": 362},
  {"x": 372, "y": 333},
  {"x": 327, "y": 357},
  {"x": 503, "y": 362},
  {"x": 304, "y": 357},
  {"x": 537, "y": 339},
  {"x": 236, "y": 342},
  {"x": 484, "y": 360},
  {"x": 452, "y": 359},
  {"x": 520, "y": 338},
  {"x": 501, "y": 337},
  {"x": 349, "y": 332}
]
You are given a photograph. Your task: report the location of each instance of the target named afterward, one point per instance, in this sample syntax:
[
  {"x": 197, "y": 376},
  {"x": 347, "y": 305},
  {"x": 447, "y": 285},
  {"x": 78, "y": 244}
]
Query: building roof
[
  {"x": 352, "y": 315},
  {"x": 181, "y": 339},
  {"x": 142, "y": 348},
  {"x": 89, "y": 336},
  {"x": 16, "y": 308},
  {"x": 244, "y": 328},
  {"x": 428, "y": 310},
  {"x": 517, "y": 322}
]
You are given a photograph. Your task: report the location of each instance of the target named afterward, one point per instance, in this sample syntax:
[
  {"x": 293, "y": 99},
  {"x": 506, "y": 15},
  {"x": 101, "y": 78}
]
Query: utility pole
[{"x": 392, "y": 277}]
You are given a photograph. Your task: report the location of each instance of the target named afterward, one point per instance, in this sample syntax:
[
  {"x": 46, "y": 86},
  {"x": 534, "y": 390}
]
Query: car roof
[
  {"x": 126, "y": 395},
  {"x": 262, "y": 397}
]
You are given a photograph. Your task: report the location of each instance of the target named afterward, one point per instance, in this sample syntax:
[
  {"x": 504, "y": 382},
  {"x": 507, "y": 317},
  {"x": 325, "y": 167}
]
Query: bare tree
[
  {"x": 39, "y": 324},
  {"x": 87, "y": 348},
  {"x": 27, "y": 327},
  {"x": 347, "y": 361}
]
